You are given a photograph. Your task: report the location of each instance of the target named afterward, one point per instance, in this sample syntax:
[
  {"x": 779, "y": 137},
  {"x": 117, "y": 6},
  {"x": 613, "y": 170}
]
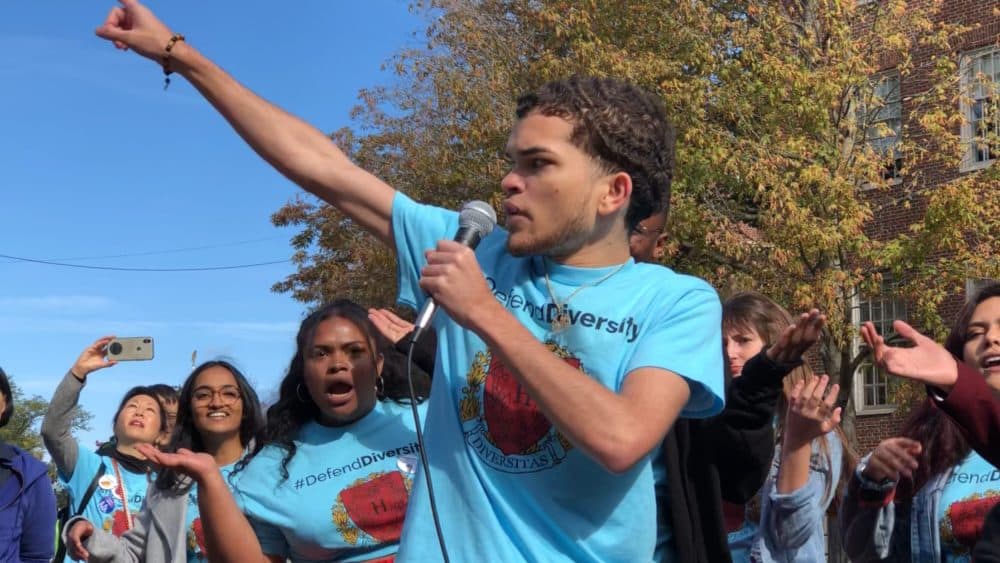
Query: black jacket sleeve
[
  {"x": 742, "y": 436},
  {"x": 424, "y": 351}
]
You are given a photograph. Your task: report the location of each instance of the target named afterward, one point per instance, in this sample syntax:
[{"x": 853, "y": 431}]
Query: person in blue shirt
[
  {"x": 218, "y": 414},
  {"x": 27, "y": 503},
  {"x": 562, "y": 363},
  {"x": 331, "y": 479},
  {"x": 122, "y": 471}
]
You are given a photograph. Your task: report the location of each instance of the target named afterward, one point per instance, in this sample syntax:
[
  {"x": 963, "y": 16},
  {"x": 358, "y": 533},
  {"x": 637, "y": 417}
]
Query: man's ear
[
  {"x": 659, "y": 246},
  {"x": 617, "y": 194}
]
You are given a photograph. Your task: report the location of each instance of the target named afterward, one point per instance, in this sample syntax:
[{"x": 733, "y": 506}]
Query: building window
[
  {"x": 871, "y": 384},
  {"x": 980, "y": 78},
  {"x": 884, "y": 122}
]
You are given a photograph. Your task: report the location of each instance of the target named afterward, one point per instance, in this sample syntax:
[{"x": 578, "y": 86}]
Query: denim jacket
[
  {"x": 791, "y": 527},
  {"x": 889, "y": 530}
]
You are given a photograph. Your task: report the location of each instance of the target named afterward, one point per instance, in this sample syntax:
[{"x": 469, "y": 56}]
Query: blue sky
[{"x": 96, "y": 160}]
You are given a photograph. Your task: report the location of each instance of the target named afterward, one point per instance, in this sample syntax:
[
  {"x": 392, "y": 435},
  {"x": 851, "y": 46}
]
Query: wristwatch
[{"x": 872, "y": 491}]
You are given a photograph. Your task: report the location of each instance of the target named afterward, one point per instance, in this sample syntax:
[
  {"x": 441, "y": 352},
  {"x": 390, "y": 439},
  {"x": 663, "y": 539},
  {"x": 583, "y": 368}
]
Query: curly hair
[
  {"x": 621, "y": 125},
  {"x": 294, "y": 409},
  {"x": 187, "y": 436}
]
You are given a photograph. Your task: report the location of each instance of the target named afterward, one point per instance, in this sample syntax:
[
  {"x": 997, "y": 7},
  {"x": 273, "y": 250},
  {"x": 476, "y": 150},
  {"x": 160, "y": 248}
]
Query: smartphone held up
[{"x": 133, "y": 348}]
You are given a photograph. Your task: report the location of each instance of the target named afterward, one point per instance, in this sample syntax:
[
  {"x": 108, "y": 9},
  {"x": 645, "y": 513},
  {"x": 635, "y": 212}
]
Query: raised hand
[
  {"x": 891, "y": 458},
  {"x": 797, "y": 338},
  {"x": 197, "y": 465},
  {"x": 390, "y": 324},
  {"x": 926, "y": 361},
  {"x": 75, "y": 536},
  {"x": 93, "y": 358},
  {"x": 133, "y": 26},
  {"x": 811, "y": 410}
]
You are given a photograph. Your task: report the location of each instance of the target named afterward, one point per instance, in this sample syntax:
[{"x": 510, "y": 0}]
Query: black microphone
[{"x": 475, "y": 221}]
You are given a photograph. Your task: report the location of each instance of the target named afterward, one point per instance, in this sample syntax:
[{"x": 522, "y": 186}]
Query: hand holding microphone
[{"x": 452, "y": 276}]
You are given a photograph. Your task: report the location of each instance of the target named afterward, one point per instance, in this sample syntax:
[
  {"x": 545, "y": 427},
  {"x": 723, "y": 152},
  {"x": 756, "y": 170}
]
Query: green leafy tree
[
  {"x": 22, "y": 428},
  {"x": 779, "y": 185}
]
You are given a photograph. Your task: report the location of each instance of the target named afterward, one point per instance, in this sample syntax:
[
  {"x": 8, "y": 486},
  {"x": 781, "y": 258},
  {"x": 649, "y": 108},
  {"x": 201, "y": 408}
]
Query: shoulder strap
[
  {"x": 90, "y": 489},
  {"x": 61, "y": 547}
]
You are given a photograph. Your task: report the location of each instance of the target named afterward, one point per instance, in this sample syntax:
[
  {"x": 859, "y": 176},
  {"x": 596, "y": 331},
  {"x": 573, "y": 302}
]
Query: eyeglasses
[
  {"x": 640, "y": 230},
  {"x": 227, "y": 395}
]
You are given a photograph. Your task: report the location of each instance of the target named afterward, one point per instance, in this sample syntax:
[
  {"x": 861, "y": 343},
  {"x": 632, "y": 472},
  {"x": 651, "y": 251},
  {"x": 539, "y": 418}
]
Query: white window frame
[
  {"x": 884, "y": 108},
  {"x": 860, "y": 406},
  {"x": 969, "y": 162}
]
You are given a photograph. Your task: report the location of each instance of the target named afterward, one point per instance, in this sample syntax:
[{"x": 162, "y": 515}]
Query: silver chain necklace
[{"x": 562, "y": 320}]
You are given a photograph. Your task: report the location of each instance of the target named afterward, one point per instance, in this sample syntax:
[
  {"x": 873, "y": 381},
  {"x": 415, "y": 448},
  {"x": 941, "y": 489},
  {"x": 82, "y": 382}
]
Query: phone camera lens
[
  {"x": 145, "y": 341},
  {"x": 115, "y": 348}
]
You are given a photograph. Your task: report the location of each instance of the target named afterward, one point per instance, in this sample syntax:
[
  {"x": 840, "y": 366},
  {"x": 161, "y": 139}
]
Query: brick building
[{"x": 979, "y": 59}]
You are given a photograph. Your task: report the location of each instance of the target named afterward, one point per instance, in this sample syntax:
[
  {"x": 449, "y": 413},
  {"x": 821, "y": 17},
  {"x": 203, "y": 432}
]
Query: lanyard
[{"x": 121, "y": 483}]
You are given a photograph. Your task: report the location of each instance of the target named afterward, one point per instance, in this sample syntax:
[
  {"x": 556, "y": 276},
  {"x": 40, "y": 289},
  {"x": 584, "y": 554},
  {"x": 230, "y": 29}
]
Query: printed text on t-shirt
[
  {"x": 360, "y": 462},
  {"x": 512, "y": 299}
]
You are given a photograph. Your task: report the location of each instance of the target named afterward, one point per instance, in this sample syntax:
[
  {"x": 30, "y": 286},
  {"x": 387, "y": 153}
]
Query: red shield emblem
[
  {"x": 515, "y": 424},
  {"x": 199, "y": 535},
  {"x": 967, "y": 519},
  {"x": 378, "y": 505}
]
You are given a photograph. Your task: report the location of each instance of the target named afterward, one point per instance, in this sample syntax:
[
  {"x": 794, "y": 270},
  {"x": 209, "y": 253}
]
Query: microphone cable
[{"x": 420, "y": 444}]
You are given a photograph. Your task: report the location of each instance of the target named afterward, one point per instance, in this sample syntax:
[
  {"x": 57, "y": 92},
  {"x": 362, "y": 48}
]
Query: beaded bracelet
[{"x": 165, "y": 59}]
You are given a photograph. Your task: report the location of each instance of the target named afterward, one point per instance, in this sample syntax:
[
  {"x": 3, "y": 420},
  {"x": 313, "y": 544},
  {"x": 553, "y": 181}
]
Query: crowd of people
[{"x": 585, "y": 404}]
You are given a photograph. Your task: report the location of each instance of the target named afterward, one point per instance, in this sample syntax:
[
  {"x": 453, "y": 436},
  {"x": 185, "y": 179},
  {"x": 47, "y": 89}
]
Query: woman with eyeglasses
[{"x": 218, "y": 415}]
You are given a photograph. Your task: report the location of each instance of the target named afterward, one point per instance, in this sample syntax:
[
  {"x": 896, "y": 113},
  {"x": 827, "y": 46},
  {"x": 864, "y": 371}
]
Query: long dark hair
[
  {"x": 944, "y": 446},
  {"x": 187, "y": 436},
  {"x": 8, "y": 410},
  {"x": 294, "y": 407}
]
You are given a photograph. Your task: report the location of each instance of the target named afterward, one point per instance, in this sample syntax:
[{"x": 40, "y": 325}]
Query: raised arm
[
  {"x": 296, "y": 149},
  {"x": 228, "y": 534},
  {"x": 959, "y": 390},
  {"x": 57, "y": 424},
  {"x": 743, "y": 433}
]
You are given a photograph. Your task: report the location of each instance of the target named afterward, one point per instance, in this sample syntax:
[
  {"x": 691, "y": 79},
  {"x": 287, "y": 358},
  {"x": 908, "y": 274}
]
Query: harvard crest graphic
[
  {"x": 503, "y": 425},
  {"x": 963, "y": 520},
  {"x": 371, "y": 509},
  {"x": 196, "y": 539}
]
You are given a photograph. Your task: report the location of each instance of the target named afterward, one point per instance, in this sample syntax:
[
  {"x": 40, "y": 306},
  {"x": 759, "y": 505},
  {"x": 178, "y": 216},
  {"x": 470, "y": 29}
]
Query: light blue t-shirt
[
  {"x": 107, "y": 509},
  {"x": 972, "y": 489},
  {"x": 508, "y": 485},
  {"x": 346, "y": 493},
  {"x": 195, "y": 534}
]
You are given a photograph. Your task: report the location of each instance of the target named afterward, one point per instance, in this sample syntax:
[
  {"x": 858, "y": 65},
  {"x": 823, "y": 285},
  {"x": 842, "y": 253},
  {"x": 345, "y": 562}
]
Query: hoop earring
[
  {"x": 379, "y": 386},
  {"x": 298, "y": 395}
]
